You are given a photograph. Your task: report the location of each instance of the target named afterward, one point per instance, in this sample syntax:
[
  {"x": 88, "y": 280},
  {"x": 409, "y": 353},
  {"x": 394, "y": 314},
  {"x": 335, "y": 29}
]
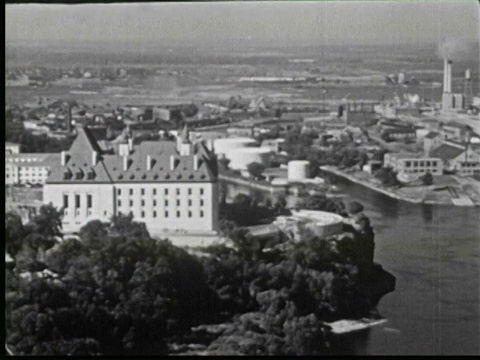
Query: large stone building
[{"x": 171, "y": 187}]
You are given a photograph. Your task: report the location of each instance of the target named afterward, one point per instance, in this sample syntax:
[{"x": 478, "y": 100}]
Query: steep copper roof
[{"x": 163, "y": 155}]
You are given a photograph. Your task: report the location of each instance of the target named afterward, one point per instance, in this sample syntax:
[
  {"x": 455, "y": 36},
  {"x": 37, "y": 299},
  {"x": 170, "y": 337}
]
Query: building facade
[
  {"x": 460, "y": 159},
  {"x": 171, "y": 187},
  {"x": 28, "y": 168},
  {"x": 413, "y": 164}
]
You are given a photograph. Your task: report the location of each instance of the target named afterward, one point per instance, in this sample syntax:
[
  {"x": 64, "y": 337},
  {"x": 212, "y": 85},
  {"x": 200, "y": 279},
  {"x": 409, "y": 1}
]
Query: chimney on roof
[
  {"x": 125, "y": 163},
  {"x": 195, "y": 162},
  {"x": 64, "y": 158},
  {"x": 172, "y": 162},
  {"x": 94, "y": 158},
  {"x": 149, "y": 163},
  {"x": 130, "y": 144}
]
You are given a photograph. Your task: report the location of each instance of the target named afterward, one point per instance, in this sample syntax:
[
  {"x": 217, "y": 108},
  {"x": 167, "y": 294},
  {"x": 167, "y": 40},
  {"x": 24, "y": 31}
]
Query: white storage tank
[
  {"x": 240, "y": 158},
  {"x": 222, "y": 146},
  {"x": 298, "y": 170}
]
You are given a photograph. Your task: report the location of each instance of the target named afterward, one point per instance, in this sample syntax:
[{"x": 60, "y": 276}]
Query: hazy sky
[{"x": 273, "y": 23}]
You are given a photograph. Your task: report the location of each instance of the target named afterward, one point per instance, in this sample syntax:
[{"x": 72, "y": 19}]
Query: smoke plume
[{"x": 456, "y": 49}]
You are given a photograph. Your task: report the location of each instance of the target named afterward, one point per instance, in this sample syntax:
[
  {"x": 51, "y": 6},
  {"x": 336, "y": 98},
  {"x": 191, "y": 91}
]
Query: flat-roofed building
[
  {"x": 415, "y": 164},
  {"x": 28, "y": 168},
  {"x": 11, "y": 148}
]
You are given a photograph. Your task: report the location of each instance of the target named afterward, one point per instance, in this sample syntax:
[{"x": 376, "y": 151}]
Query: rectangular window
[
  {"x": 166, "y": 202},
  {"x": 65, "y": 201},
  {"x": 143, "y": 202},
  {"x": 415, "y": 163},
  {"x": 119, "y": 191},
  {"x": 131, "y": 203},
  {"x": 201, "y": 202},
  {"x": 178, "y": 202},
  {"x": 189, "y": 214},
  {"x": 154, "y": 203},
  {"x": 178, "y": 214},
  {"x": 131, "y": 191},
  {"x": 143, "y": 214},
  {"x": 201, "y": 191},
  {"x": 77, "y": 201},
  {"x": 427, "y": 163},
  {"x": 89, "y": 201},
  {"x": 166, "y": 214},
  {"x": 407, "y": 163},
  {"x": 119, "y": 203},
  {"x": 189, "y": 191},
  {"x": 178, "y": 191},
  {"x": 143, "y": 191},
  {"x": 434, "y": 163},
  {"x": 154, "y": 191},
  {"x": 154, "y": 214},
  {"x": 422, "y": 163},
  {"x": 166, "y": 191},
  {"x": 189, "y": 202},
  {"x": 201, "y": 213}
]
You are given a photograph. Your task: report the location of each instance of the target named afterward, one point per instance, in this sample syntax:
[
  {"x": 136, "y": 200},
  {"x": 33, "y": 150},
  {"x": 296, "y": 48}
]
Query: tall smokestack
[
  {"x": 447, "y": 76},
  {"x": 69, "y": 118}
]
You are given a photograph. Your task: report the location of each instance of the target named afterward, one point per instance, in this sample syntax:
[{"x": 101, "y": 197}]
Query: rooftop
[
  {"x": 447, "y": 152},
  {"x": 134, "y": 167},
  {"x": 398, "y": 156}
]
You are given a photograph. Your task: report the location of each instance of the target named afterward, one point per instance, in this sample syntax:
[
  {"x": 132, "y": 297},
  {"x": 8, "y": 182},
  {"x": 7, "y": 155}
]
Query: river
[{"x": 434, "y": 253}]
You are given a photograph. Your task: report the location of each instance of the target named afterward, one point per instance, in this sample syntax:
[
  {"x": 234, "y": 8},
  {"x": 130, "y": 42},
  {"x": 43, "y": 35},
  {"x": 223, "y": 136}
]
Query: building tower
[
  {"x": 184, "y": 146},
  {"x": 448, "y": 100}
]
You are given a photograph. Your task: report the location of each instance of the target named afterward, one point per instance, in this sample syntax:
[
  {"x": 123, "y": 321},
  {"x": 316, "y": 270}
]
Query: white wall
[
  {"x": 74, "y": 219},
  {"x": 107, "y": 201}
]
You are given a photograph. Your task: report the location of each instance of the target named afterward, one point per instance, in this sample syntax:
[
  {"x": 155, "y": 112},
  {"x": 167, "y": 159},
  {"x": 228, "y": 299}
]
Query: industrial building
[
  {"x": 459, "y": 158},
  {"x": 301, "y": 225},
  {"x": 413, "y": 164},
  {"x": 171, "y": 187},
  {"x": 240, "y": 158},
  {"x": 451, "y": 101},
  {"x": 360, "y": 114}
]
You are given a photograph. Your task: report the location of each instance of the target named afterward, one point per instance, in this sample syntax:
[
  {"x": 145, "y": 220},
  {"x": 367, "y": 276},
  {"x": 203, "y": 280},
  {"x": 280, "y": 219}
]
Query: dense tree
[
  {"x": 354, "y": 207},
  {"x": 322, "y": 203},
  {"x": 427, "y": 179},
  {"x": 14, "y": 233},
  {"x": 387, "y": 176},
  {"x": 120, "y": 296},
  {"x": 242, "y": 199},
  {"x": 255, "y": 169}
]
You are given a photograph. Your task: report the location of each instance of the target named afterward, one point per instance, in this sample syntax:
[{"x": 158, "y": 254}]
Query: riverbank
[{"x": 433, "y": 195}]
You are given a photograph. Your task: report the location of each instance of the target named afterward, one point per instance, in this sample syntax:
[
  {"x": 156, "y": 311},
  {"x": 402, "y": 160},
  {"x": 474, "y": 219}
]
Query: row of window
[
  {"x": 154, "y": 202},
  {"x": 416, "y": 171},
  {"x": 167, "y": 214},
  {"x": 420, "y": 163},
  {"x": 469, "y": 164},
  {"x": 77, "y": 201},
  {"x": 165, "y": 191}
]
